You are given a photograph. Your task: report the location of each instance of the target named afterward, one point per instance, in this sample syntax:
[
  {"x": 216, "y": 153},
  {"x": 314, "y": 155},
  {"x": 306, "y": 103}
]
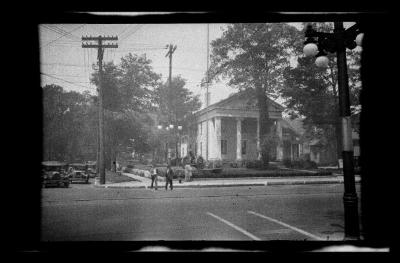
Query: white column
[
  {"x": 258, "y": 140},
  {"x": 218, "y": 138},
  {"x": 279, "y": 150},
  {"x": 239, "y": 139},
  {"x": 291, "y": 151}
]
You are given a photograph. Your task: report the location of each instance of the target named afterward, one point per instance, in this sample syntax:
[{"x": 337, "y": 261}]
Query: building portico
[{"x": 230, "y": 130}]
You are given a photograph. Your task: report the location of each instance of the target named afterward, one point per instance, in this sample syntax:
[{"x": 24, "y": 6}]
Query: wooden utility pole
[
  {"x": 171, "y": 50},
  {"x": 100, "y": 51}
]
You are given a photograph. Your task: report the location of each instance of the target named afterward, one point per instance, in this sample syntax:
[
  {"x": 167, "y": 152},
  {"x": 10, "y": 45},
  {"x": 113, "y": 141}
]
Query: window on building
[
  {"x": 244, "y": 146},
  {"x": 224, "y": 147}
]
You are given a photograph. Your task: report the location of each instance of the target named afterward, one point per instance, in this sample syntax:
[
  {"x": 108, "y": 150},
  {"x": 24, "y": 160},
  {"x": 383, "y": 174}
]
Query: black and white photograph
[{"x": 204, "y": 131}]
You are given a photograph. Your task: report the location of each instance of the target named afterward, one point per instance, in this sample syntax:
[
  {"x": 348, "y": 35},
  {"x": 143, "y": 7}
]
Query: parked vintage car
[
  {"x": 77, "y": 172},
  {"x": 54, "y": 173},
  {"x": 91, "y": 169}
]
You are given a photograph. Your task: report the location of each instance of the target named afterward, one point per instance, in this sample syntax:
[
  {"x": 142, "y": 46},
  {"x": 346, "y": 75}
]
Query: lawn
[{"x": 112, "y": 177}]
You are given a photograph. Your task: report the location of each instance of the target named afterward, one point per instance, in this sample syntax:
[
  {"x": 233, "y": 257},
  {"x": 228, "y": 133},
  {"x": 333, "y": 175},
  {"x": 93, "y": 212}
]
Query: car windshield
[{"x": 78, "y": 166}]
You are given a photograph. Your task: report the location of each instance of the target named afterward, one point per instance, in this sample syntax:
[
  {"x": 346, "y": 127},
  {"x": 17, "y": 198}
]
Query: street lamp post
[
  {"x": 337, "y": 42},
  {"x": 177, "y": 141},
  {"x": 160, "y": 128},
  {"x": 170, "y": 128}
]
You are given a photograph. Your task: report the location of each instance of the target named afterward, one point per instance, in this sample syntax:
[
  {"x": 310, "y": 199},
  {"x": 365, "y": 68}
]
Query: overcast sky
[{"x": 66, "y": 63}]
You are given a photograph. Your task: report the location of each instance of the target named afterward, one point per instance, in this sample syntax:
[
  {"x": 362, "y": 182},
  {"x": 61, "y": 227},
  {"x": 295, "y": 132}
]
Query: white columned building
[{"x": 233, "y": 133}]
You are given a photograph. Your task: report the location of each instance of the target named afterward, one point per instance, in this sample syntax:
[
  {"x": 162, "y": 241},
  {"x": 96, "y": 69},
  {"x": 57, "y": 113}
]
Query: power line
[
  {"x": 131, "y": 33},
  {"x": 65, "y": 34},
  {"x": 66, "y": 75},
  {"x": 57, "y": 31},
  {"x": 123, "y": 31},
  {"x": 70, "y": 82},
  {"x": 138, "y": 49},
  {"x": 61, "y": 64},
  {"x": 182, "y": 68},
  {"x": 127, "y": 32}
]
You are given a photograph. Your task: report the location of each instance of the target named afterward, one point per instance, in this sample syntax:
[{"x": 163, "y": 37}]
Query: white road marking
[
  {"x": 235, "y": 226},
  {"x": 286, "y": 225}
]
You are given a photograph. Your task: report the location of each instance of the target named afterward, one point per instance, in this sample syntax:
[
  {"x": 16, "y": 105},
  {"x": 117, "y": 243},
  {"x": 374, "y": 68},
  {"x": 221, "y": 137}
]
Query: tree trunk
[
  {"x": 265, "y": 123},
  {"x": 113, "y": 162}
]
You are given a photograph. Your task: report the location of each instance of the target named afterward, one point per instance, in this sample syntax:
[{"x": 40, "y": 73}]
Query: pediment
[{"x": 246, "y": 101}]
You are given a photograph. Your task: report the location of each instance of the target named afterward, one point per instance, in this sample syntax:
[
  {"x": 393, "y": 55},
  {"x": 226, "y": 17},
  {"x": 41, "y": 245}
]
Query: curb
[{"x": 299, "y": 182}]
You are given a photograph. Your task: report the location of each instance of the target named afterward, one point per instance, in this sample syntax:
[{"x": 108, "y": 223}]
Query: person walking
[
  {"x": 188, "y": 172},
  {"x": 168, "y": 177},
  {"x": 154, "y": 177}
]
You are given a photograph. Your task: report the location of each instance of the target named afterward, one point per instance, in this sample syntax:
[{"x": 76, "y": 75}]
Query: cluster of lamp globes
[
  {"x": 171, "y": 126},
  {"x": 311, "y": 49}
]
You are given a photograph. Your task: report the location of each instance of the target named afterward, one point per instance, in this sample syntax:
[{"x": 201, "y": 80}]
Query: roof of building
[{"x": 247, "y": 96}]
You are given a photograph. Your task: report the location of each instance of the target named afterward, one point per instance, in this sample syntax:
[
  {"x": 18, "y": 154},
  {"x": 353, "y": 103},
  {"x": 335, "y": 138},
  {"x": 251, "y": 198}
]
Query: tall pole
[
  {"x": 171, "y": 50},
  {"x": 100, "y": 51},
  {"x": 350, "y": 199},
  {"x": 207, "y": 100},
  {"x": 101, "y": 115}
]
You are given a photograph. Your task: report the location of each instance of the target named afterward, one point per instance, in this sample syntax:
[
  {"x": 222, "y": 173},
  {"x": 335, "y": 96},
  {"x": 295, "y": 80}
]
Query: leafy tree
[
  {"x": 66, "y": 124},
  {"x": 312, "y": 92},
  {"x": 176, "y": 105},
  {"x": 176, "y": 102},
  {"x": 128, "y": 89},
  {"x": 253, "y": 56},
  {"x": 121, "y": 128}
]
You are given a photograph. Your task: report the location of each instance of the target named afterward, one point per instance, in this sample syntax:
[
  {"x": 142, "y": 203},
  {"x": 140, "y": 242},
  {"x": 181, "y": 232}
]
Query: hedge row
[
  {"x": 277, "y": 173},
  {"x": 227, "y": 174}
]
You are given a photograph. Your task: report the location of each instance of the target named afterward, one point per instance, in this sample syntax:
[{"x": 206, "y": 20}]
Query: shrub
[
  {"x": 200, "y": 162},
  {"x": 217, "y": 164},
  {"x": 287, "y": 163},
  {"x": 297, "y": 164},
  {"x": 130, "y": 166},
  {"x": 250, "y": 164},
  {"x": 127, "y": 170},
  {"x": 258, "y": 164},
  {"x": 310, "y": 165}
]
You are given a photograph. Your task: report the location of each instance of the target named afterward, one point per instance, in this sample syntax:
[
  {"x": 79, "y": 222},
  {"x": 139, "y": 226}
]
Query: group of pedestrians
[{"x": 169, "y": 175}]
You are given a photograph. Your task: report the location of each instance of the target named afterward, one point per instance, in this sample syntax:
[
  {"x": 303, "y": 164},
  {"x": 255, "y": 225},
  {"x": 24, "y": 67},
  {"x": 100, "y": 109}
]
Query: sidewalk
[{"x": 143, "y": 182}]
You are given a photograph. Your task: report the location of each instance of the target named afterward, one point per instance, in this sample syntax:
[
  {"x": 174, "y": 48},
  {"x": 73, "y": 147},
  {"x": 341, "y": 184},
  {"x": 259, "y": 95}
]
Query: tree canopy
[
  {"x": 176, "y": 102},
  {"x": 312, "y": 92},
  {"x": 254, "y": 56},
  {"x": 67, "y": 124}
]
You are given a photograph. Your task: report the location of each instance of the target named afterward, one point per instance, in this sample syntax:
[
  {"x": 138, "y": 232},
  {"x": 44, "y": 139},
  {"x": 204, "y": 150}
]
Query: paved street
[{"x": 285, "y": 212}]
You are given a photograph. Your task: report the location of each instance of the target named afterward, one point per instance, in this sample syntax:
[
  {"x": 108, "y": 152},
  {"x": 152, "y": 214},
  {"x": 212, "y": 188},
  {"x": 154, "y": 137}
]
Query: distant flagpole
[
  {"x": 207, "y": 80},
  {"x": 208, "y": 56}
]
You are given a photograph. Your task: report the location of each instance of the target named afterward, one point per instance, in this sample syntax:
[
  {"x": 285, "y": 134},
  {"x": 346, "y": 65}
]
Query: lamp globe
[
  {"x": 359, "y": 39},
  {"x": 322, "y": 61},
  {"x": 310, "y": 49}
]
